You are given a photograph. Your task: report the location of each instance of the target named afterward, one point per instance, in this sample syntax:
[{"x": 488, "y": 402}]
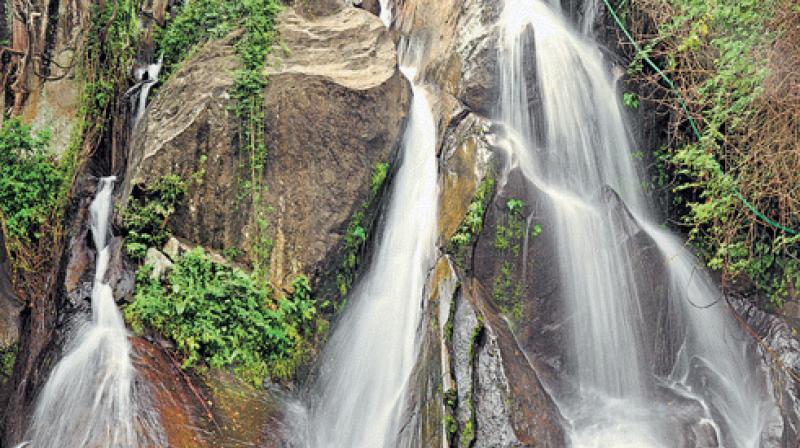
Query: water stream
[
  {"x": 386, "y": 12},
  {"x": 146, "y": 78},
  {"x": 361, "y": 389},
  {"x": 88, "y": 400},
  {"x": 576, "y": 150}
]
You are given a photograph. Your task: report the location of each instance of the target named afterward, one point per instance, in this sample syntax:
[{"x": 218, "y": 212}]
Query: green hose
[{"x": 685, "y": 108}]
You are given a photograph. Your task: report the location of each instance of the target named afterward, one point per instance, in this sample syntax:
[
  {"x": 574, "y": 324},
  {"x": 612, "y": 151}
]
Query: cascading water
[
  {"x": 361, "y": 389},
  {"x": 577, "y": 152},
  {"x": 386, "y": 12},
  {"x": 146, "y": 77},
  {"x": 88, "y": 400}
]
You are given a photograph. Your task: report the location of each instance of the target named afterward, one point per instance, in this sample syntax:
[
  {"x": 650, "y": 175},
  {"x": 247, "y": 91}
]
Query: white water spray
[
  {"x": 386, "y": 12},
  {"x": 87, "y": 401},
  {"x": 361, "y": 390},
  {"x": 573, "y": 154}
]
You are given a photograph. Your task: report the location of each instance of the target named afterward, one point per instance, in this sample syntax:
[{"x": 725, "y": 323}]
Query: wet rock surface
[
  {"x": 462, "y": 37},
  {"x": 779, "y": 348}
]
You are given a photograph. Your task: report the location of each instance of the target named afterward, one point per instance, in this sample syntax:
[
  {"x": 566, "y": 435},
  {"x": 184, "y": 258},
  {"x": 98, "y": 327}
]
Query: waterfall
[
  {"x": 88, "y": 399},
  {"x": 146, "y": 77},
  {"x": 576, "y": 150},
  {"x": 365, "y": 369},
  {"x": 386, "y": 12}
]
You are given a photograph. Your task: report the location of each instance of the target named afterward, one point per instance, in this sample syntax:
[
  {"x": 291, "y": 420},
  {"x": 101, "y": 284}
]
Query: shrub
[
  {"x": 30, "y": 181},
  {"x": 145, "y": 220},
  {"x": 220, "y": 317},
  {"x": 731, "y": 61}
]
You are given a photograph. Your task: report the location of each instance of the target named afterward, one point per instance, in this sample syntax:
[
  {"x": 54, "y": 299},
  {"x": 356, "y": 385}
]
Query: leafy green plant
[
  {"x": 630, "y": 100},
  {"x": 8, "y": 358},
  {"x": 509, "y": 235},
  {"x": 476, "y": 213},
  {"x": 146, "y": 219},
  {"x": 379, "y": 173},
  {"x": 356, "y": 235},
  {"x": 31, "y": 179},
  {"x": 716, "y": 176},
  {"x": 221, "y": 317}
]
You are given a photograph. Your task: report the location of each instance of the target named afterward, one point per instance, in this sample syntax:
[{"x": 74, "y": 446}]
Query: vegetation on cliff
[
  {"x": 222, "y": 317},
  {"x": 199, "y": 21},
  {"x": 736, "y": 188},
  {"x": 30, "y": 180}
]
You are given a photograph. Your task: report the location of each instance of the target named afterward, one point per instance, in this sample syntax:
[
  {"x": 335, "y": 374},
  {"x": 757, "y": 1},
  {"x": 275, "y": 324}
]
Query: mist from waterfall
[
  {"x": 88, "y": 400},
  {"x": 576, "y": 150},
  {"x": 360, "y": 393}
]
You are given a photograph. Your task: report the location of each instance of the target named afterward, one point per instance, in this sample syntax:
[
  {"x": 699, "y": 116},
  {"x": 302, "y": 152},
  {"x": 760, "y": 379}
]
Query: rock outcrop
[
  {"x": 492, "y": 394},
  {"x": 335, "y": 105}
]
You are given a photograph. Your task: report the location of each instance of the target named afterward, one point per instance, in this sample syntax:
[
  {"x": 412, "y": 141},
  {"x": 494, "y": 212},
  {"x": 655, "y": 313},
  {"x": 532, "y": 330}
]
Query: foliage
[
  {"x": 379, "y": 173},
  {"x": 221, "y": 317},
  {"x": 507, "y": 293},
  {"x": 468, "y": 434},
  {"x": 510, "y": 234},
  {"x": 451, "y": 425},
  {"x": 476, "y": 212},
  {"x": 630, "y": 100},
  {"x": 729, "y": 60},
  {"x": 509, "y": 237},
  {"x": 31, "y": 179},
  {"x": 147, "y": 216},
  {"x": 356, "y": 235},
  {"x": 201, "y": 20},
  {"x": 8, "y": 357}
]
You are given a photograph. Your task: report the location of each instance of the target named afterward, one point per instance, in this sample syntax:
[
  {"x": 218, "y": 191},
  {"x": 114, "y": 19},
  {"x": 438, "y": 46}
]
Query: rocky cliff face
[
  {"x": 335, "y": 106},
  {"x": 492, "y": 389}
]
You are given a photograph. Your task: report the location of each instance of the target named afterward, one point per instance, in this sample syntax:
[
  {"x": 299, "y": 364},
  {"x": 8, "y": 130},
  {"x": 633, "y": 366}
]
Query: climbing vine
[{"x": 251, "y": 22}]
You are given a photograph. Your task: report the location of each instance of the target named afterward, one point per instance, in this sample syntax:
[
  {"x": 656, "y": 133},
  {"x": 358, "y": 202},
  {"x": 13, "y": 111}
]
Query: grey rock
[{"x": 161, "y": 263}]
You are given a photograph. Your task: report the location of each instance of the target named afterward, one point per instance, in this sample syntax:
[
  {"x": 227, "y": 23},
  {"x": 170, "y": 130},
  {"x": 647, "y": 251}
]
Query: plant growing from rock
[
  {"x": 146, "y": 219},
  {"x": 222, "y": 317}
]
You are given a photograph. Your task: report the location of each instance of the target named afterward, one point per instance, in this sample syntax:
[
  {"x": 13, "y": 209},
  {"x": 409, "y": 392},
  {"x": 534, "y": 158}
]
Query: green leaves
[
  {"x": 379, "y": 173},
  {"x": 476, "y": 211},
  {"x": 718, "y": 52},
  {"x": 147, "y": 216},
  {"x": 631, "y": 100},
  {"x": 31, "y": 179},
  {"x": 221, "y": 317}
]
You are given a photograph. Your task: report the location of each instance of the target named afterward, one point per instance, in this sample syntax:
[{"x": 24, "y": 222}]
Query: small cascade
[
  {"x": 576, "y": 151},
  {"x": 88, "y": 400},
  {"x": 386, "y": 12},
  {"x": 146, "y": 77},
  {"x": 361, "y": 390}
]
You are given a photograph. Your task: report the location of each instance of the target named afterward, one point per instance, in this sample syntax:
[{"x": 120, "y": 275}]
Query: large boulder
[{"x": 335, "y": 105}]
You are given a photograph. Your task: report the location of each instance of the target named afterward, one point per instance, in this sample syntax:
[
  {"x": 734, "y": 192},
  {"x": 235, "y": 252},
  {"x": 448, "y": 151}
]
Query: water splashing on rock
[
  {"x": 572, "y": 144},
  {"x": 361, "y": 390},
  {"x": 88, "y": 400}
]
